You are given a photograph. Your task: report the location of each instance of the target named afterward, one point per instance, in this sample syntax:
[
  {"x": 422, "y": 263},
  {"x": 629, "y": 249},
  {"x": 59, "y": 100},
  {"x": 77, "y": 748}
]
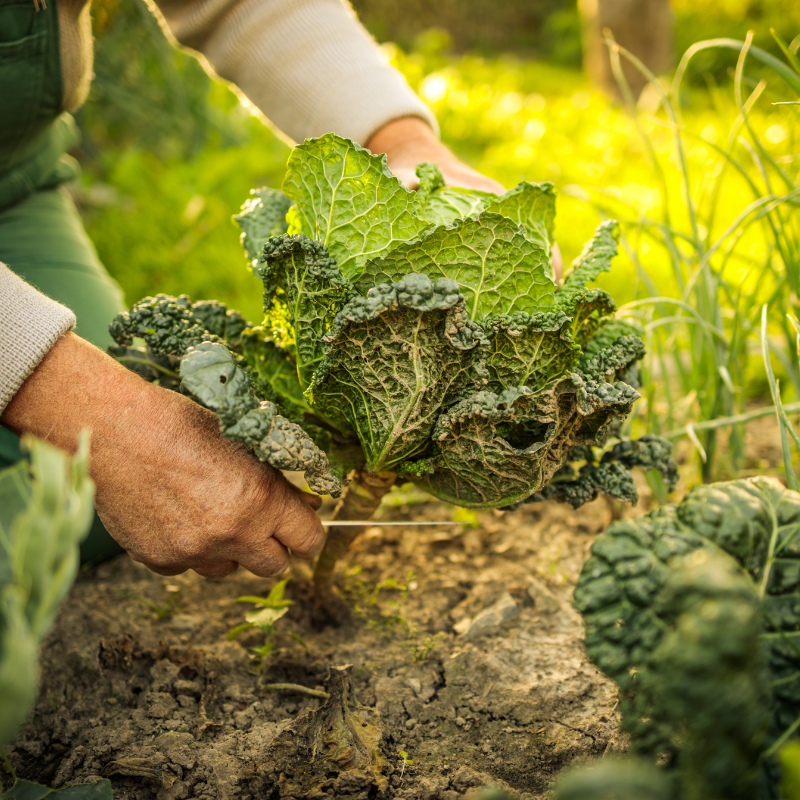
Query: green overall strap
[{"x": 35, "y": 133}]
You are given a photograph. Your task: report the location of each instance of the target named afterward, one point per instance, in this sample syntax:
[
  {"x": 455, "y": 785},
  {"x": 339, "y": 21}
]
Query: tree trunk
[
  {"x": 359, "y": 502},
  {"x": 642, "y": 26}
]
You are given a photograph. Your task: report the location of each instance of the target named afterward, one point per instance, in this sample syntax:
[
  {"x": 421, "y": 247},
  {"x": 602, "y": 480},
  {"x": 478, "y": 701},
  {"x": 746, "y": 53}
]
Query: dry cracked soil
[{"x": 475, "y": 671}]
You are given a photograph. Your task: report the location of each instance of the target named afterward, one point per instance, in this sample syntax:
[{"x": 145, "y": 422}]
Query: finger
[
  {"x": 314, "y": 500},
  {"x": 260, "y": 554},
  {"x": 299, "y": 529},
  {"x": 558, "y": 263},
  {"x": 167, "y": 572},
  {"x": 216, "y": 569}
]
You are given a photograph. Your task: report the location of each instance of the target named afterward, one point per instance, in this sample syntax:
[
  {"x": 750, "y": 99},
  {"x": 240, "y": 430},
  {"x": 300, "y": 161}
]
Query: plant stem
[{"x": 359, "y": 502}]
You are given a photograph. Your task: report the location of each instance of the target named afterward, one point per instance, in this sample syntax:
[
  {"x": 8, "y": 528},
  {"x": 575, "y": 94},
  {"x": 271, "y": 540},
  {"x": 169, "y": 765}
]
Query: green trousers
[
  {"x": 41, "y": 235},
  {"x": 42, "y": 239}
]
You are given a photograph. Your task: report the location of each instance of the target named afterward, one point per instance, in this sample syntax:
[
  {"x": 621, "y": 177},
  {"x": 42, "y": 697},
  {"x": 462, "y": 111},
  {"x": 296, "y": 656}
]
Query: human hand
[
  {"x": 170, "y": 488},
  {"x": 409, "y": 142}
]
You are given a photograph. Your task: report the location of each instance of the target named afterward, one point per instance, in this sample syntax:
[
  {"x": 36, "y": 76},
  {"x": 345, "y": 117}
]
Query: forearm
[{"x": 308, "y": 65}]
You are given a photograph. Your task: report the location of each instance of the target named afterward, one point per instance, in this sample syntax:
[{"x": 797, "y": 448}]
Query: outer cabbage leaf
[
  {"x": 595, "y": 258},
  {"x": 303, "y": 292},
  {"x": 533, "y": 206},
  {"x": 391, "y": 362},
  {"x": 589, "y": 310},
  {"x": 262, "y": 216},
  {"x": 681, "y": 607},
  {"x": 46, "y": 509},
  {"x": 528, "y": 349},
  {"x": 497, "y": 269},
  {"x": 349, "y": 200},
  {"x": 494, "y": 450},
  {"x": 210, "y": 374},
  {"x": 274, "y": 373}
]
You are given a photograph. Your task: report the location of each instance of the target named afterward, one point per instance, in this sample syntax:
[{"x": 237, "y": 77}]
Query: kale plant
[
  {"x": 693, "y": 611},
  {"x": 417, "y": 335}
]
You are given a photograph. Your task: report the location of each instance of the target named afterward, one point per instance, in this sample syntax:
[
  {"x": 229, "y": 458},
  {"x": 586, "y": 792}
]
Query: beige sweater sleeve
[
  {"x": 30, "y": 324},
  {"x": 308, "y": 65}
]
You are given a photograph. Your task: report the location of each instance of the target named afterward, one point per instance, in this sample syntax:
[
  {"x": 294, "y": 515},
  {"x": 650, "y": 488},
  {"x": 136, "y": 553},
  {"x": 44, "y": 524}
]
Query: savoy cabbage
[
  {"x": 417, "y": 333},
  {"x": 693, "y": 611}
]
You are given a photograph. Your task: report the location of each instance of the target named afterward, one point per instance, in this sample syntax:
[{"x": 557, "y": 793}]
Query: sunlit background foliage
[{"x": 169, "y": 155}]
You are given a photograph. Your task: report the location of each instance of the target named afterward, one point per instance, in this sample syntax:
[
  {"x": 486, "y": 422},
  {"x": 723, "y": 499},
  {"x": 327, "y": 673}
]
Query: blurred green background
[{"x": 169, "y": 155}]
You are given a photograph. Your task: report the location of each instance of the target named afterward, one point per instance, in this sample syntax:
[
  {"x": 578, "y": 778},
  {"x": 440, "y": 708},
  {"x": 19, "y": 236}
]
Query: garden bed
[{"x": 168, "y": 708}]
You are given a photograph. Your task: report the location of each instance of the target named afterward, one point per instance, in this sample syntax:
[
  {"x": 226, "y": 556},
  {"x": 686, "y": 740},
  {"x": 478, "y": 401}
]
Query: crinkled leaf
[
  {"x": 499, "y": 449},
  {"x": 497, "y": 269},
  {"x": 210, "y": 374},
  {"x": 615, "y": 360},
  {"x": 217, "y": 319},
  {"x": 392, "y": 359},
  {"x": 595, "y": 258},
  {"x": 611, "y": 479},
  {"x": 674, "y": 606},
  {"x": 349, "y": 200},
  {"x": 589, "y": 309},
  {"x": 531, "y": 205},
  {"x": 648, "y": 452},
  {"x": 303, "y": 292},
  {"x": 274, "y": 373},
  {"x": 609, "y": 332},
  {"x": 167, "y": 324},
  {"x": 262, "y": 216},
  {"x": 528, "y": 349}
]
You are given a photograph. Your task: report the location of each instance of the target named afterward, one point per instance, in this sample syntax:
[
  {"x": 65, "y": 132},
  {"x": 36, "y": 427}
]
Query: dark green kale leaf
[
  {"x": 218, "y": 320},
  {"x": 167, "y": 324},
  {"x": 391, "y": 361},
  {"x": 303, "y": 292},
  {"x": 211, "y": 375},
  {"x": 693, "y": 611},
  {"x": 609, "y": 332},
  {"x": 494, "y": 450},
  {"x": 497, "y": 269},
  {"x": 610, "y": 476},
  {"x": 348, "y": 199},
  {"x": 262, "y": 216}
]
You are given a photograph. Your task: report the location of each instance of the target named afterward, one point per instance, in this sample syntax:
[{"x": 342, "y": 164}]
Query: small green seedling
[
  {"x": 263, "y": 617},
  {"x": 406, "y": 761},
  {"x": 163, "y": 610}
]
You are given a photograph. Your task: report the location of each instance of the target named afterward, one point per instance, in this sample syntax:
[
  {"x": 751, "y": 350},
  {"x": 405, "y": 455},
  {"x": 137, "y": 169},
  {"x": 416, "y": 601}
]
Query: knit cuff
[{"x": 30, "y": 324}]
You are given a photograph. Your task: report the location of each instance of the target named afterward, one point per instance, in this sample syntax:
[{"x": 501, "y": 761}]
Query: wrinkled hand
[
  {"x": 409, "y": 142},
  {"x": 170, "y": 489}
]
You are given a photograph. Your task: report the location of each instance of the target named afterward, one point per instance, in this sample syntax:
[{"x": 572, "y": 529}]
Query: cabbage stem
[{"x": 359, "y": 502}]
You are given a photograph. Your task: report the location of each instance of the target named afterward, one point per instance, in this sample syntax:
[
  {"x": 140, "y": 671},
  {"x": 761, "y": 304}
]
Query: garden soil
[{"x": 471, "y": 676}]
